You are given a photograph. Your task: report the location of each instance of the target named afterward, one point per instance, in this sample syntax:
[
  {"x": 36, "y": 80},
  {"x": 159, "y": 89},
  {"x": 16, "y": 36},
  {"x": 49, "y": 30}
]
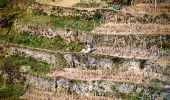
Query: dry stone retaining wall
[
  {"x": 38, "y": 30},
  {"x": 41, "y": 83},
  {"x": 46, "y": 57}
]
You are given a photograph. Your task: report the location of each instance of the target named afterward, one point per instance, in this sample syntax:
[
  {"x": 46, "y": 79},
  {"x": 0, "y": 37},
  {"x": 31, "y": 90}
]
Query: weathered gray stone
[
  {"x": 63, "y": 83},
  {"x": 41, "y": 83},
  {"x": 81, "y": 88},
  {"x": 105, "y": 64},
  {"x": 43, "y": 56},
  {"x": 131, "y": 65},
  {"x": 125, "y": 88}
]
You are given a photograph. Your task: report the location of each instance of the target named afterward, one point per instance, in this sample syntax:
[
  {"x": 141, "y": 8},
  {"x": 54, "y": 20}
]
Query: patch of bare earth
[
  {"x": 131, "y": 28},
  {"x": 136, "y": 76}
]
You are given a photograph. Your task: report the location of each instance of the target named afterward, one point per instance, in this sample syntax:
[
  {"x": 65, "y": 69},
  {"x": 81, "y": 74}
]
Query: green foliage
[
  {"x": 3, "y": 3},
  {"x": 142, "y": 63},
  {"x": 97, "y": 16},
  {"x": 12, "y": 91}
]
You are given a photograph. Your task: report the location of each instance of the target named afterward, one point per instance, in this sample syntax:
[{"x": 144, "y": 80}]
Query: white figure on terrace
[{"x": 89, "y": 48}]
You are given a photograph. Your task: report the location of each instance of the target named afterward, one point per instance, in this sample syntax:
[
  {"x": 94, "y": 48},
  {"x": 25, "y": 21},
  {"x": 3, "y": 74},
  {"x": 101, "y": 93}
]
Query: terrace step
[
  {"x": 134, "y": 76},
  {"x": 127, "y": 29}
]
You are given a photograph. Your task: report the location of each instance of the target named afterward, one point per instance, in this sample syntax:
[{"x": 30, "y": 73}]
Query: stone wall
[
  {"x": 38, "y": 30},
  {"x": 45, "y": 84},
  {"x": 142, "y": 41},
  {"x": 43, "y": 56},
  {"x": 108, "y": 88}
]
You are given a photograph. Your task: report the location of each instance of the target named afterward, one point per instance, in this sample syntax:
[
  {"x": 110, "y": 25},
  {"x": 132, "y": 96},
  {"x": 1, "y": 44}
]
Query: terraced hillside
[{"x": 85, "y": 50}]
